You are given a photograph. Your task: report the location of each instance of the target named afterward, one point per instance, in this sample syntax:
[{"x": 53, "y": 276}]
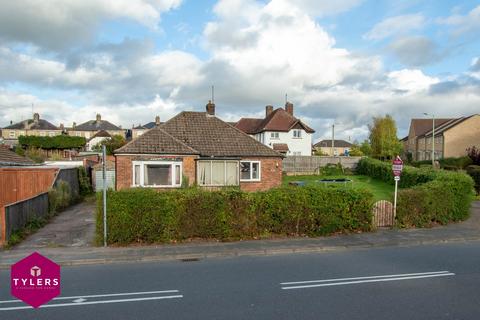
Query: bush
[
  {"x": 331, "y": 169},
  {"x": 56, "y": 142},
  {"x": 85, "y": 186},
  {"x": 148, "y": 216},
  {"x": 474, "y": 155},
  {"x": 435, "y": 196},
  {"x": 474, "y": 172},
  {"x": 59, "y": 197}
]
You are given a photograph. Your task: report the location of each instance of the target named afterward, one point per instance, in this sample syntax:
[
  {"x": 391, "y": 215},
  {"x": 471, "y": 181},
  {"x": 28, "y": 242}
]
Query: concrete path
[
  {"x": 73, "y": 227},
  {"x": 468, "y": 230}
]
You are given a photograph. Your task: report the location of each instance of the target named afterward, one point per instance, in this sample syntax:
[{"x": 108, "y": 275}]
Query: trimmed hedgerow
[
  {"x": 148, "y": 216},
  {"x": 433, "y": 196},
  {"x": 55, "y": 142}
]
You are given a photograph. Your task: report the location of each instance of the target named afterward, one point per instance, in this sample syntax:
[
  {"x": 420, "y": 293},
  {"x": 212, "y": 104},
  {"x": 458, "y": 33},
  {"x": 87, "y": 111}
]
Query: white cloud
[
  {"x": 410, "y": 80},
  {"x": 464, "y": 23},
  {"x": 397, "y": 25},
  {"x": 414, "y": 51},
  {"x": 325, "y": 7},
  {"x": 57, "y": 24}
]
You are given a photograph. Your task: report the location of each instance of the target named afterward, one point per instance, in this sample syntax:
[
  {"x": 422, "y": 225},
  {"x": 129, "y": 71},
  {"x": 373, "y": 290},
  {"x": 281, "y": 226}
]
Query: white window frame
[
  {"x": 142, "y": 173},
  {"x": 43, "y": 133},
  {"x": 12, "y": 134},
  {"x": 51, "y": 134},
  {"x": 78, "y": 134},
  {"x": 225, "y": 174},
  {"x": 297, "y": 133},
  {"x": 259, "y": 171},
  {"x": 274, "y": 135}
]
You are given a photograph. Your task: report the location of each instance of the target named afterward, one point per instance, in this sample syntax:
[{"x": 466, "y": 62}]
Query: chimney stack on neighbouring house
[
  {"x": 99, "y": 117},
  {"x": 289, "y": 108},
  {"x": 36, "y": 117},
  {"x": 268, "y": 110},
  {"x": 74, "y": 125},
  {"x": 62, "y": 127},
  {"x": 210, "y": 108},
  {"x": 157, "y": 121}
]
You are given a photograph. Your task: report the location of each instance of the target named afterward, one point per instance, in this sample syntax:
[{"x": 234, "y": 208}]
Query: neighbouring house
[
  {"x": 197, "y": 147},
  {"x": 29, "y": 127},
  {"x": 340, "y": 147},
  {"x": 92, "y": 127},
  {"x": 141, "y": 129},
  {"x": 452, "y": 137},
  {"x": 280, "y": 130},
  {"x": 96, "y": 139}
]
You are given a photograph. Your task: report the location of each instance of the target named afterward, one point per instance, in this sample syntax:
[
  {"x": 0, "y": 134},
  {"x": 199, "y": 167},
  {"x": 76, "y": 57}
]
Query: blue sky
[{"x": 344, "y": 61}]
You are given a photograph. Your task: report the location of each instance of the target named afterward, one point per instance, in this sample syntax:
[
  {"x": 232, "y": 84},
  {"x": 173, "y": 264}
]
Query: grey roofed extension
[
  {"x": 10, "y": 158},
  {"x": 328, "y": 143}
]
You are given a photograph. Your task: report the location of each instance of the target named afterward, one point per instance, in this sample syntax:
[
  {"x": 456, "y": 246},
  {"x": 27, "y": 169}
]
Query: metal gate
[
  {"x": 99, "y": 180},
  {"x": 383, "y": 214}
]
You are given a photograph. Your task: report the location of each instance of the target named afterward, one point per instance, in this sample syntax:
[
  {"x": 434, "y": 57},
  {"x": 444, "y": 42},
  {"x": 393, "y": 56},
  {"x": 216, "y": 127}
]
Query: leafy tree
[
  {"x": 355, "y": 150},
  {"x": 383, "y": 138},
  {"x": 474, "y": 154},
  {"x": 366, "y": 148},
  {"x": 111, "y": 145}
]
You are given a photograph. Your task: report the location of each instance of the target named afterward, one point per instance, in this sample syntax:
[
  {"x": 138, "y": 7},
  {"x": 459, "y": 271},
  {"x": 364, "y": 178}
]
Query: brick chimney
[
  {"x": 36, "y": 117},
  {"x": 157, "y": 121},
  {"x": 289, "y": 108},
  {"x": 99, "y": 117},
  {"x": 74, "y": 125},
  {"x": 210, "y": 108},
  {"x": 268, "y": 110}
]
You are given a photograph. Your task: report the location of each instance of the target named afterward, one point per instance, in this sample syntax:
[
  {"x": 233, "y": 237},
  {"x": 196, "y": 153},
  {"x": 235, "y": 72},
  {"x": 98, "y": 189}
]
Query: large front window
[
  {"x": 157, "y": 173},
  {"x": 217, "y": 172},
  {"x": 250, "y": 171}
]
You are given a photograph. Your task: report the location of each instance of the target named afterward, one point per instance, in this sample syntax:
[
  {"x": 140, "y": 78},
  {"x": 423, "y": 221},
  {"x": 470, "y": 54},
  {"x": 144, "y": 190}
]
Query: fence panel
[{"x": 312, "y": 164}]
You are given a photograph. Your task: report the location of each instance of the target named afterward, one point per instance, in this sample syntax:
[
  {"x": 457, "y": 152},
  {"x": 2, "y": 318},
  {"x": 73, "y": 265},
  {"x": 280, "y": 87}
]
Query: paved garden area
[{"x": 74, "y": 227}]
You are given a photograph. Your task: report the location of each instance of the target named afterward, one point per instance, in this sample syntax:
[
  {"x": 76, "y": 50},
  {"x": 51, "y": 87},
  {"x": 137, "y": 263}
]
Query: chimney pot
[
  {"x": 74, "y": 125},
  {"x": 99, "y": 117},
  {"x": 157, "y": 121},
  {"x": 36, "y": 117},
  {"x": 268, "y": 110},
  {"x": 210, "y": 108},
  {"x": 289, "y": 108}
]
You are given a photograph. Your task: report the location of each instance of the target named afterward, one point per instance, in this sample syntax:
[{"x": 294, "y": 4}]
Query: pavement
[{"x": 465, "y": 231}]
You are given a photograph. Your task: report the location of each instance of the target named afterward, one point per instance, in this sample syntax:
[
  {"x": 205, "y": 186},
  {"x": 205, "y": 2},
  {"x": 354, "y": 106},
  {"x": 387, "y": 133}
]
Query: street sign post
[{"x": 397, "y": 167}]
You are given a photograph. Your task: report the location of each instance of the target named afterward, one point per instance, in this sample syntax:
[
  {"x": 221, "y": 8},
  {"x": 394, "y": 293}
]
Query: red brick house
[{"x": 199, "y": 148}]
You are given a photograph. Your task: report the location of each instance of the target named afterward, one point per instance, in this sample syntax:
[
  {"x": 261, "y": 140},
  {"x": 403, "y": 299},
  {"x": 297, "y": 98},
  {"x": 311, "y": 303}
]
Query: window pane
[
  {"x": 178, "y": 174},
  {"x": 245, "y": 170},
  {"x": 204, "y": 172},
  {"x": 158, "y": 174},
  {"x": 232, "y": 173},
  {"x": 218, "y": 173},
  {"x": 255, "y": 170},
  {"x": 137, "y": 175}
]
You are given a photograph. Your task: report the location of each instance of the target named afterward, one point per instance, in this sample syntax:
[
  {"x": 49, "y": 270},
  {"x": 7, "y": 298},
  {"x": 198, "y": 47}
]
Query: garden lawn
[{"x": 381, "y": 190}]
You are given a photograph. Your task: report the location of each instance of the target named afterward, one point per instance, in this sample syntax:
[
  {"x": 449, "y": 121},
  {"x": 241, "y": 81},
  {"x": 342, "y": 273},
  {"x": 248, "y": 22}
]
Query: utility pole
[
  {"x": 333, "y": 139},
  {"x": 104, "y": 167}
]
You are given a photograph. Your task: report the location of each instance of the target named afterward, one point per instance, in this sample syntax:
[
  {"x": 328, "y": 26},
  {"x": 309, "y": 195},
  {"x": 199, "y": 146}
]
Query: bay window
[
  {"x": 250, "y": 171},
  {"x": 157, "y": 173},
  {"x": 217, "y": 172}
]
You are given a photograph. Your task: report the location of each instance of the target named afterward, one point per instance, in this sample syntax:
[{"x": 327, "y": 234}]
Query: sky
[{"x": 341, "y": 62}]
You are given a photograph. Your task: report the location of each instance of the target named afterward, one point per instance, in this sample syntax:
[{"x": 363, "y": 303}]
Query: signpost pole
[
  {"x": 395, "y": 200},
  {"x": 397, "y": 167},
  {"x": 104, "y": 167}
]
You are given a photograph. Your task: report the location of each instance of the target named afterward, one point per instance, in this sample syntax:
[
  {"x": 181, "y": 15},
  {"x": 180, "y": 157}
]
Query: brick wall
[
  {"x": 270, "y": 174},
  {"x": 124, "y": 174},
  {"x": 461, "y": 137}
]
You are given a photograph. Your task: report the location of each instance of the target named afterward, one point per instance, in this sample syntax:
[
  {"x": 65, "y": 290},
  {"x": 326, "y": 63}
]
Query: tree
[
  {"x": 355, "y": 150},
  {"x": 383, "y": 138},
  {"x": 111, "y": 145},
  {"x": 366, "y": 148}
]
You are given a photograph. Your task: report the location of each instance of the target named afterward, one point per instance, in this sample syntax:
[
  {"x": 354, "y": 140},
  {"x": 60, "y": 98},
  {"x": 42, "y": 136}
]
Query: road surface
[{"x": 421, "y": 282}]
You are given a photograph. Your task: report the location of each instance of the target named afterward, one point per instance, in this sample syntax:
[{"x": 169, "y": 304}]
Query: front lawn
[{"x": 381, "y": 190}]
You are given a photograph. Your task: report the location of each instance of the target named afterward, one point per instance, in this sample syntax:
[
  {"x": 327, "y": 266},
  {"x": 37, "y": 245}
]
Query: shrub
[
  {"x": 331, "y": 169},
  {"x": 56, "y": 142},
  {"x": 474, "y": 155},
  {"x": 474, "y": 172},
  {"x": 148, "y": 216},
  {"x": 435, "y": 196},
  {"x": 59, "y": 197},
  {"x": 85, "y": 186}
]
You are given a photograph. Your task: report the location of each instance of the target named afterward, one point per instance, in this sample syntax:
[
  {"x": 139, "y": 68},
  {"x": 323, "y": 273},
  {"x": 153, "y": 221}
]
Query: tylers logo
[{"x": 35, "y": 280}]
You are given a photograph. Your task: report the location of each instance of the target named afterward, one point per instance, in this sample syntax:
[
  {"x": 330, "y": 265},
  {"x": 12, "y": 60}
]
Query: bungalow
[{"x": 197, "y": 147}]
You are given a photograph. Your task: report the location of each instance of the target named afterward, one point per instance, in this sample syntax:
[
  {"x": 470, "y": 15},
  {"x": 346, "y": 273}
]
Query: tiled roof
[
  {"x": 440, "y": 128},
  {"x": 149, "y": 125},
  {"x": 94, "y": 125},
  {"x": 421, "y": 126},
  {"x": 278, "y": 120},
  {"x": 10, "y": 158},
  {"x": 213, "y": 137},
  {"x": 33, "y": 125},
  {"x": 101, "y": 133},
  {"x": 328, "y": 144},
  {"x": 156, "y": 140},
  {"x": 280, "y": 147}
]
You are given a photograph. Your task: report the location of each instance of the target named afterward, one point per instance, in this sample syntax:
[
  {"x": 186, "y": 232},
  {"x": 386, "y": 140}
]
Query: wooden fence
[
  {"x": 383, "y": 214},
  {"x": 311, "y": 164}
]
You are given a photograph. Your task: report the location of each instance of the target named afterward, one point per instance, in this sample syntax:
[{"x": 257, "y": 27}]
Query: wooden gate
[{"x": 383, "y": 214}]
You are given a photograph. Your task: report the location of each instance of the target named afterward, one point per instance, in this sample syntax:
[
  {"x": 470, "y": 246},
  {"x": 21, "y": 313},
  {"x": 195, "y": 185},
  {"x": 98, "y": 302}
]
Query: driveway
[{"x": 73, "y": 227}]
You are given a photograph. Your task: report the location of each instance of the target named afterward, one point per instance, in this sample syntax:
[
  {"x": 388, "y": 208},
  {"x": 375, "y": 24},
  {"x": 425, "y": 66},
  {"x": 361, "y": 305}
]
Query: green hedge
[
  {"x": 148, "y": 216},
  {"x": 56, "y": 142},
  {"x": 474, "y": 172},
  {"x": 428, "y": 196}
]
